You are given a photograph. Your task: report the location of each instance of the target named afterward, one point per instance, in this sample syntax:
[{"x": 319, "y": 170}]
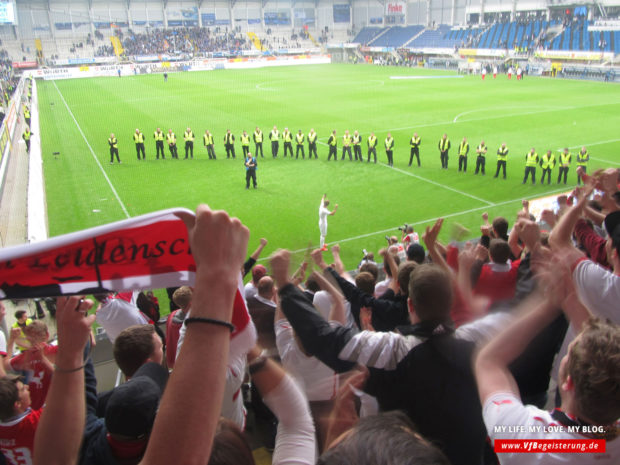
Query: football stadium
[{"x": 430, "y": 189}]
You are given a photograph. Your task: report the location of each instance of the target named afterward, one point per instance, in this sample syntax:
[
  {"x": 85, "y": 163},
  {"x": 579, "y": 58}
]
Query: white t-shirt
[
  {"x": 323, "y": 213},
  {"x": 249, "y": 290},
  {"x": 599, "y": 290},
  {"x": 316, "y": 379},
  {"x": 116, "y": 314},
  {"x": 411, "y": 238},
  {"x": 382, "y": 286},
  {"x": 504, "y": 411},
  {"x": 2, "y": 344},
  {"x": 232, "y": 404}
]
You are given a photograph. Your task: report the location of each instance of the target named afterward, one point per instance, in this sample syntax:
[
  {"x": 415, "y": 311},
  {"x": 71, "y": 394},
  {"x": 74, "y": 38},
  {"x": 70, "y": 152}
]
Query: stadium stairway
[
  {"x": 14, "y": 201},
  {"x": 410, "y": 41},
  {"x": 366, "y": 35},
  {"x": 256, "y": 41},
  {"x": 379, "y": 35}
]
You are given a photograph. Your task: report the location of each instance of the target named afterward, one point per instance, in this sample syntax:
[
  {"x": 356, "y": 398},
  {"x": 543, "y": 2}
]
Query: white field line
[
  {"x": 494, "y": 116},
  {"x": 443, "y": 186},
  {"x": 120, "y": 202},
  {"x": 601, "y": 142}
]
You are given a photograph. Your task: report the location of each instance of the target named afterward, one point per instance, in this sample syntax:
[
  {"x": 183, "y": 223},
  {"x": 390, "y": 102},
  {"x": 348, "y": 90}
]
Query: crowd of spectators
[
  {"x": 181, "y": 40},
  {"x": 450, "y": 356},
  {"x": 8, "y": 81}
]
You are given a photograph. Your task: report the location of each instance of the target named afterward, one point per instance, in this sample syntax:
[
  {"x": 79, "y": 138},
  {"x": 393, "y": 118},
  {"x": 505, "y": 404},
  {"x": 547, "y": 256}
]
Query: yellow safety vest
[
  {"x": 158, "y": 136},
  {"x": 138, "y": 138},
  {"x": 502, "y": 154},
  {"x": 274, "y": 135},
  {"x": 565, "y": 158},
  {"x": 332, "y": 140},
  {"x": 229, "y": 139},
  {"x": 357, "y": 139},
  {"x": 531, "y": 159},
  {"x": 300, "y": 138},
  {"x": 548, "y": 161},
  {"x": 208, "y": 139},
  {"x": 346, "y": 140},
  {"x": 188, "y": 136},
  {"x": 113, "y": 142},
  {"x": 287, "y": 136},
  {"x": 372, "y": 141},
  {"x": 582, "y": 158},
  {"x": 171, "y": 138},
  {"x": 389, "y": 143},
  {"x": 26, "y": 135},
  {"x": 312, "y": 137},
  {"x": 444, "y": 144},
  {"x": 258, "y": 136},
  {"x": 245, "y": 140},
  {"x": 463, "y": 148}
]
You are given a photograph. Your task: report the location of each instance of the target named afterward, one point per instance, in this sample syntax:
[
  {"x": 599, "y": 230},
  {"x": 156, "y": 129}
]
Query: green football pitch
[{"x": 84, "y": 190}]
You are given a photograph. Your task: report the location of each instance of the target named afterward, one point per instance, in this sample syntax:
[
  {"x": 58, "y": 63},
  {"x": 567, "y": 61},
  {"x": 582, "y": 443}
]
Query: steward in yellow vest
[
  {"x": 159, "y": 143},
  {"x": 531, "y": 161},
  {"x": 188, "y": 137},
  {"x": 300, "y": 138},
  {"x": 258, "y": 142}
]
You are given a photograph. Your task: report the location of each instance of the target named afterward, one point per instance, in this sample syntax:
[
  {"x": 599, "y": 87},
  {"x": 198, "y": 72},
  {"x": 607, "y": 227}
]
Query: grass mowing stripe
[
  {"x": 92, "y": 152},
  {"x": 326, "y": 97}
]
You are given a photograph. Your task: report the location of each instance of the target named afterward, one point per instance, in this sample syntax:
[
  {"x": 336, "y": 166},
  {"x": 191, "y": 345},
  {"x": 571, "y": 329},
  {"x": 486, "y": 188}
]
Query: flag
[{"x": 146, "y": 252}]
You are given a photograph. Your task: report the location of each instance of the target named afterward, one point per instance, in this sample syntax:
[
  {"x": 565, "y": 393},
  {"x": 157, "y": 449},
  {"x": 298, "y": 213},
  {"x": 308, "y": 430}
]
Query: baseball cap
[
  {"x": 133, "y": 405},
  {"x": 258, "y": 272}
]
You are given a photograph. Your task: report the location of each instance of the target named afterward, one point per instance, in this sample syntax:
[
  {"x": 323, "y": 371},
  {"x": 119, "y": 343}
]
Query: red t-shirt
[
  {"x": 17, "y": 438},
  {"x": 172, "y": 339},
  {"x": 497, "y": 285},
  {"x": 40, "y": 378}
]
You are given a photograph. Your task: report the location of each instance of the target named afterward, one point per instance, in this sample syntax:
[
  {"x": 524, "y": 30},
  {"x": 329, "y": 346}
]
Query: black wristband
[{"x": 211, "y": 321}]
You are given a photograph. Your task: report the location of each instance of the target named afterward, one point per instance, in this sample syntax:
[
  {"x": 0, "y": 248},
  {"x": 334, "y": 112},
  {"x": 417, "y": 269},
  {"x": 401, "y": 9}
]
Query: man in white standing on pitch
[{"x": 323, "y": 214}]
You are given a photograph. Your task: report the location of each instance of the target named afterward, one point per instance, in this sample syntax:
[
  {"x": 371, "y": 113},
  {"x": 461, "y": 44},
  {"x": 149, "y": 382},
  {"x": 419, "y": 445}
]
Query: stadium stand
[
  {"x": 395, "y": 36},
  {"x": 366, "y": 35}
]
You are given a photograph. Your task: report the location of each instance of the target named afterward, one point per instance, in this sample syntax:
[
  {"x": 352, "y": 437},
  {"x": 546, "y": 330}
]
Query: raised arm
[
  {"x": 388, "y": 259},
  {"x": 337, "y": 312},
  {"x": 491, "y": 366},
  {"x": 295, "y": 441},
  {"x": 249, "y": 263},
  {"x": 182, "y": 421},
  {"x": 560, "y": 237},
  {"x": 317, "y": 336},
  {"x": 60, "y": 430},
  {"x": 338, "y": 265},
  {"x": 430, "y": 240}
]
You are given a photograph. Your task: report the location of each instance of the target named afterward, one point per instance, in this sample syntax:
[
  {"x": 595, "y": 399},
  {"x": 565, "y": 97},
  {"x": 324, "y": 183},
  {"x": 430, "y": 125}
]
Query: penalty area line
[
  {"x": 443, "y": 186},
  {"x": 92, "y": 152}
]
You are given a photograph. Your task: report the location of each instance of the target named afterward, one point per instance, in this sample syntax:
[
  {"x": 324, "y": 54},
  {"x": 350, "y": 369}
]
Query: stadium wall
[
  {"x": 58, "y": 19},
  {"x": 88, "y": 71}
]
